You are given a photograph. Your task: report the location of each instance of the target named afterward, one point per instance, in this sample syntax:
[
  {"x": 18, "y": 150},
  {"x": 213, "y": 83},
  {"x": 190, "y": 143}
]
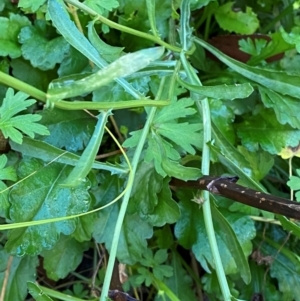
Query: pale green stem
[{"x": 118, "y": 228}]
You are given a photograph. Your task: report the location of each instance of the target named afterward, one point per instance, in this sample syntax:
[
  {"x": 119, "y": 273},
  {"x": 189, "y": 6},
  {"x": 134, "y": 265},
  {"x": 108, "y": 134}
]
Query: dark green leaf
[
  {"x": 64, "y": 257},
  {"x": 135, "y": 231},
  {"x": 233, "y": 243},
  {"x": 279, "y": 81},
  {"x": 40, "y": 197},
  {"x": 180, "y": 283},
  {"x": 263, "y": 130},
  {"x": 21, "y": 269},
  {"x": 191, "y": 225},
  {"x": 286, "y": 268},
  {"x": 47, "y": 153},
  {"x": 43, "y": 53},
  {"x": 284, "y": 106}
]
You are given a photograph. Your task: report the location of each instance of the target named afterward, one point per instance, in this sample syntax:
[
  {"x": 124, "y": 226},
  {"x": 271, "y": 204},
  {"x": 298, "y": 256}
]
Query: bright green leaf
[
  {"x": 32, "y": 5},
  {"x": 238, "y": 22},
  {"x": 9, "y": 31},
  {"x": 102, "y": 5},
  {"x": 12, "y": 126}
]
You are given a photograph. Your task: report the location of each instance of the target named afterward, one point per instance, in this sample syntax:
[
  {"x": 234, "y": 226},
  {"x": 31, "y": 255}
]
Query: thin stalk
[
  {"x": 21, "y": 86},
  {"x": 123, "y": 28},
  {"x": 204, "y": 110},
  {"x": 118, "y": 228}
]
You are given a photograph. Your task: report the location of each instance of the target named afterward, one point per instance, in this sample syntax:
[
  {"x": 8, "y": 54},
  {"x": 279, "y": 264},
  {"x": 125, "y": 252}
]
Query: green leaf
[
  {"x": 166, "y": 211},
  {"x": 233, "y": 243},
  {"x": 121, "y": 67},
  {"x": 238, "y": 22},
  {"x": 43, "y": 53},
  {"x": 279, "y": 81},
  {"x": 222, "y": 117},
  {"x": 47, "y": 153},
  {"x": 11, "y": 126},
  {"x": 186, "y": 227},
  {"x": 284, "y": 106},
  {"x": 175, "y": 110},
  {"x": 260, "y": 162},
  {"x": 221, "y": 91},
  {"x": 294, "y": 183},
  {"x": 135, "y": 231},
  {"x": 180, "y": 283},
  {"x": 190, "y": 228},
  {"x": 69, "y": 130},
  {"x": 6, "y": 173},
  {"x": 22, "y": 269},
  {"x": 289, "y": 225},
  {"x": 70, "y": 32},
  {"x": 64, "y": 258},
  {"x": 264, "y": 130},
  {"x": 286, "y": 268},
  {"x": 101, "y": 6},
  {"x": 138, "y": 19},
  {"x": 145, "y": 189},
  {"x": 31, "y": 5},
  {"x": 184, "y": 134},
  {"x": 108, "y": 52},
  {"x": 234, "y": 160},
  {"x": 38, "y": 78},
  {"x": 292, "y": 37},
  {"x": 40, "y": 197},
  {"x": 85, "y": 163},
  {"x": 160, "y": 256},
  {"x": 9, "y": 31},
  {"x": 37, "y": 293},
  {"x": 253, "y": 47},
  {"x": 147, "y": 185}
]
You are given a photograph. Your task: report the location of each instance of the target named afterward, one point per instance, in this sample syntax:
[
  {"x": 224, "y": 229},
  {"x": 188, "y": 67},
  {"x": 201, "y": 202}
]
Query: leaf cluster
[{"x": 73, "y": 195}]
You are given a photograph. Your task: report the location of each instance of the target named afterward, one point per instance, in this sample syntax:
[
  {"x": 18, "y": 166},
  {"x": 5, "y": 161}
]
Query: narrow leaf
[
  {"x": 87, "y": 158},
  {"x": 221, "y": 91},
  {"x": 279, "y": 81}
]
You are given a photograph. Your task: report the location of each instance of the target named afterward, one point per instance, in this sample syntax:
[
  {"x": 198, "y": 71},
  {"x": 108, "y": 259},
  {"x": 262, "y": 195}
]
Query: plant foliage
[{"x": 102, "y": 103}]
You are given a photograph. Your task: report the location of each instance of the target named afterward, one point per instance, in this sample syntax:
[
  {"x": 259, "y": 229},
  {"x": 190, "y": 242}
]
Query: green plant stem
[
  {"x": 204, "y": 110},
  {"x": 118, "y": 228},
  {"x": 21, "y": 86},
  {"x": 123, "y": 28},
  {"x": 78, "y": 105}
]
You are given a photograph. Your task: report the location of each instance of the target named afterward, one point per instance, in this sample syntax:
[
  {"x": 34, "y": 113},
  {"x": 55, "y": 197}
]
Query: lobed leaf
[
  {"x": 12, "y": 126},
  {"x": 238, "y": 22},
  {"x": 40, "y": 197}
]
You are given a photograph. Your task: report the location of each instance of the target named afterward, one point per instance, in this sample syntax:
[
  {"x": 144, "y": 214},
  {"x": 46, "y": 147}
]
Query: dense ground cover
[{"x": 102, "y": 103}]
